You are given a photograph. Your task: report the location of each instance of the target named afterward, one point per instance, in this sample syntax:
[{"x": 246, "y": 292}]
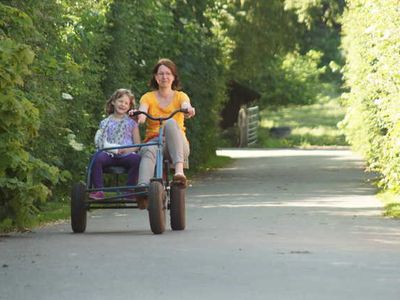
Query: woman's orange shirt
[{"x": 154, "y": 109}]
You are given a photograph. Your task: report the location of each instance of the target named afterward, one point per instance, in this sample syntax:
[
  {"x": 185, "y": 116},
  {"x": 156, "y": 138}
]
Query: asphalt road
[{"x": 276, "y": 224}]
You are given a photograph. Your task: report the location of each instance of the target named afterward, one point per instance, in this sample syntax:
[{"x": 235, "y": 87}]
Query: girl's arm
[
  {"x": 136, "y": 135},
  {"x": 136, "y": 140}
]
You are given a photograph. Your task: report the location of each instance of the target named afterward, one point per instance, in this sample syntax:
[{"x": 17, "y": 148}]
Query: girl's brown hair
[
  {"x": 176, "y": 84},
  {"x": 116, "y": 95}
]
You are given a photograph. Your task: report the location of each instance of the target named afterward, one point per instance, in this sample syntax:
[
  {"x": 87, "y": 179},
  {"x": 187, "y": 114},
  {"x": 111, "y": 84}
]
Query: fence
[{"x": 248, "y": 125}]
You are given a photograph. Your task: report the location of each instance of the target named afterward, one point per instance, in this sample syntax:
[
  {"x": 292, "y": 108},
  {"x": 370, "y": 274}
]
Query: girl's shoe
[{"x": 96, "y": 195}]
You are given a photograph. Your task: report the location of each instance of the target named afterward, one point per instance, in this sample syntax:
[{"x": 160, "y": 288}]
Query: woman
[{"x": 165, "y": 98}]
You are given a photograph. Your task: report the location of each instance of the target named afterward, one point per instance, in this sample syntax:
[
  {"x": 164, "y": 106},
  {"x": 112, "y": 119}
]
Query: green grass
[
  {"x": 391, "y": 202},
  {"x": 48, "y": 212},
  {"x": 311, "y": 125},
  {"x": 53, "y": 211},
  {"x": 212, "y": 164}
]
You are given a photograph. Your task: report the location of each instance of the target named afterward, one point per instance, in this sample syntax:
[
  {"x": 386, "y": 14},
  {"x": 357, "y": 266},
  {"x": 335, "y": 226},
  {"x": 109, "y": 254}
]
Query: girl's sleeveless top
[{"x": 118, "y": 131}]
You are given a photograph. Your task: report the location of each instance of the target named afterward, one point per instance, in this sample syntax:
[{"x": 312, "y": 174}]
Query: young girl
[{"x": 118, "y": 129}]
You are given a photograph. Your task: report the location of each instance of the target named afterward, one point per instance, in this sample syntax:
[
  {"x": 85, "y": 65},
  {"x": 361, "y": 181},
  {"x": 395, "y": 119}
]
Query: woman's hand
[
  {"x": 191, "y": 112},
  {"x": 141, "y": 118}
]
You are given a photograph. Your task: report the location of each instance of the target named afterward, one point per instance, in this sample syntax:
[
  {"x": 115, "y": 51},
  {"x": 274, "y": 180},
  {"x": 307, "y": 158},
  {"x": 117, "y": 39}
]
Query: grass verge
[
  {"x": 212, "y": 164},
  {"x": 53, "y": 211},
  {"x": 391, "y": 203},
  {"x": 311, "y": 125}
]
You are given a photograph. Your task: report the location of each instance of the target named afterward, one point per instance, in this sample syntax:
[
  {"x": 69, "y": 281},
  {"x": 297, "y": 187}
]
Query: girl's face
[
  {"x": 122, "y": 105},
  {"x": 164, "y": 77}
]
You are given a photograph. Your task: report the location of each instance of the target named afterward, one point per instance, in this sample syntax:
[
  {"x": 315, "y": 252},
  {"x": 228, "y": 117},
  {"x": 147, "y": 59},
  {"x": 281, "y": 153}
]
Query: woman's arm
[{"x": 142, "y": 117}]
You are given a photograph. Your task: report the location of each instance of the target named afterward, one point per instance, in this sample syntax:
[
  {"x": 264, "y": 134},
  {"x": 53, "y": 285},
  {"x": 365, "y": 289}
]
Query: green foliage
[
  {"x": 23, "y": 178},
  {"x": 372, "y": 123},
  {"x": 319, "y": 29},
  {"x": 68, "y": 42},
  {"x": 67, "y": 39},
  {"x": 262, "y": 30},
  {"x": 138, "y": 40},
  {"x": 295, "y": 80},
  {"x": 284, "y": 49}
]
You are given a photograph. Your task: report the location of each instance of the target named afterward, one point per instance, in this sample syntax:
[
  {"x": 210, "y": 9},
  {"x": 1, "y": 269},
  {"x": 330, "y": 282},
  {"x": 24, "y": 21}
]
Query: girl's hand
[{"x": 123, "y": 151}]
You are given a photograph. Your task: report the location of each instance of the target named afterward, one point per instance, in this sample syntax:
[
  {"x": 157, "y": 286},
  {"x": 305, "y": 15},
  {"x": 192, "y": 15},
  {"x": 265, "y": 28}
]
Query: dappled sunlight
[
  {"x": 250, "y": 200},
  {"x": 213, "y": 196},
  {"x": 253, "y": 153},
  {"x": 378, "y": 234},
  {"x": 316, "y": 131}
]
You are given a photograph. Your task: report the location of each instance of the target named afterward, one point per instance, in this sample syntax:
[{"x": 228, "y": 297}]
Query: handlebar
[{"x": 160, "y": 119}]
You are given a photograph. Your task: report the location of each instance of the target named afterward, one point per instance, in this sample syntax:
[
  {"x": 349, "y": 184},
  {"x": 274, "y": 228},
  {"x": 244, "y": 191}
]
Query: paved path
[{"x": 276, "y": 224}]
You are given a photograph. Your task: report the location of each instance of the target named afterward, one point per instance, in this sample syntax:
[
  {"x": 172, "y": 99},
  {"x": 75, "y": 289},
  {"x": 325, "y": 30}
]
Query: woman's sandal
[
  {"x": 141, "y": 200},
  {"x": 179, "y": 179}
]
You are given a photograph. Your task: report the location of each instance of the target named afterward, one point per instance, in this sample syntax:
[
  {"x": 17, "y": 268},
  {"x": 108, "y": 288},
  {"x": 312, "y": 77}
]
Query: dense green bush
[
  {"x": 372, "y": 123},
  {"x": 295, "y": 79},
  {"x": 64, "y": 42},
  {"x": 23, "y": 177},
  {"x": 319, "y": 29}
]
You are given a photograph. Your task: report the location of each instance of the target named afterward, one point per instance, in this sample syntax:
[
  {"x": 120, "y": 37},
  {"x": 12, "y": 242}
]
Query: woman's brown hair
[
  {"x": 116, "y": 95},
  {"x": 176, "y": 84}
]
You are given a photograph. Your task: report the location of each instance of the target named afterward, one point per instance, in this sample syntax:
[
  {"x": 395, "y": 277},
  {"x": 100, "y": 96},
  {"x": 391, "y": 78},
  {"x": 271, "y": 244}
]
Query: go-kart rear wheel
[
  {"x": 177, "y": 207},
  {"x": 156, "y": 208},
  {"x": 78, "y": 208}
]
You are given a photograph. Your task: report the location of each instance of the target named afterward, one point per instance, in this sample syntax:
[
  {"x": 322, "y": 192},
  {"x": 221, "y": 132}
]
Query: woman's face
[{"x": 164, "y": 77}]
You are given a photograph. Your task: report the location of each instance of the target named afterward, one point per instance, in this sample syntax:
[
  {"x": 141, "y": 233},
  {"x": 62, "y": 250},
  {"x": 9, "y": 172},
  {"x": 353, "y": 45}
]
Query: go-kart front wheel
[
  {"x": 177, "y": 207},
  {"x": 157, "y": 197},
  {"x": 78, "y": 208}
]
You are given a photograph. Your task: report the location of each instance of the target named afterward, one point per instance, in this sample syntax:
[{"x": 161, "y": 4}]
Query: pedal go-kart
[{"x": 162, "y": 194}]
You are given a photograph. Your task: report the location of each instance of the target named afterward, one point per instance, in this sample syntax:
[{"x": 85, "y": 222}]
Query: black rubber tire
[
  {"x": 78, "y": 208},
  {"x": 157, "y": 208},
  {"x": 177, "y": 207}
]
